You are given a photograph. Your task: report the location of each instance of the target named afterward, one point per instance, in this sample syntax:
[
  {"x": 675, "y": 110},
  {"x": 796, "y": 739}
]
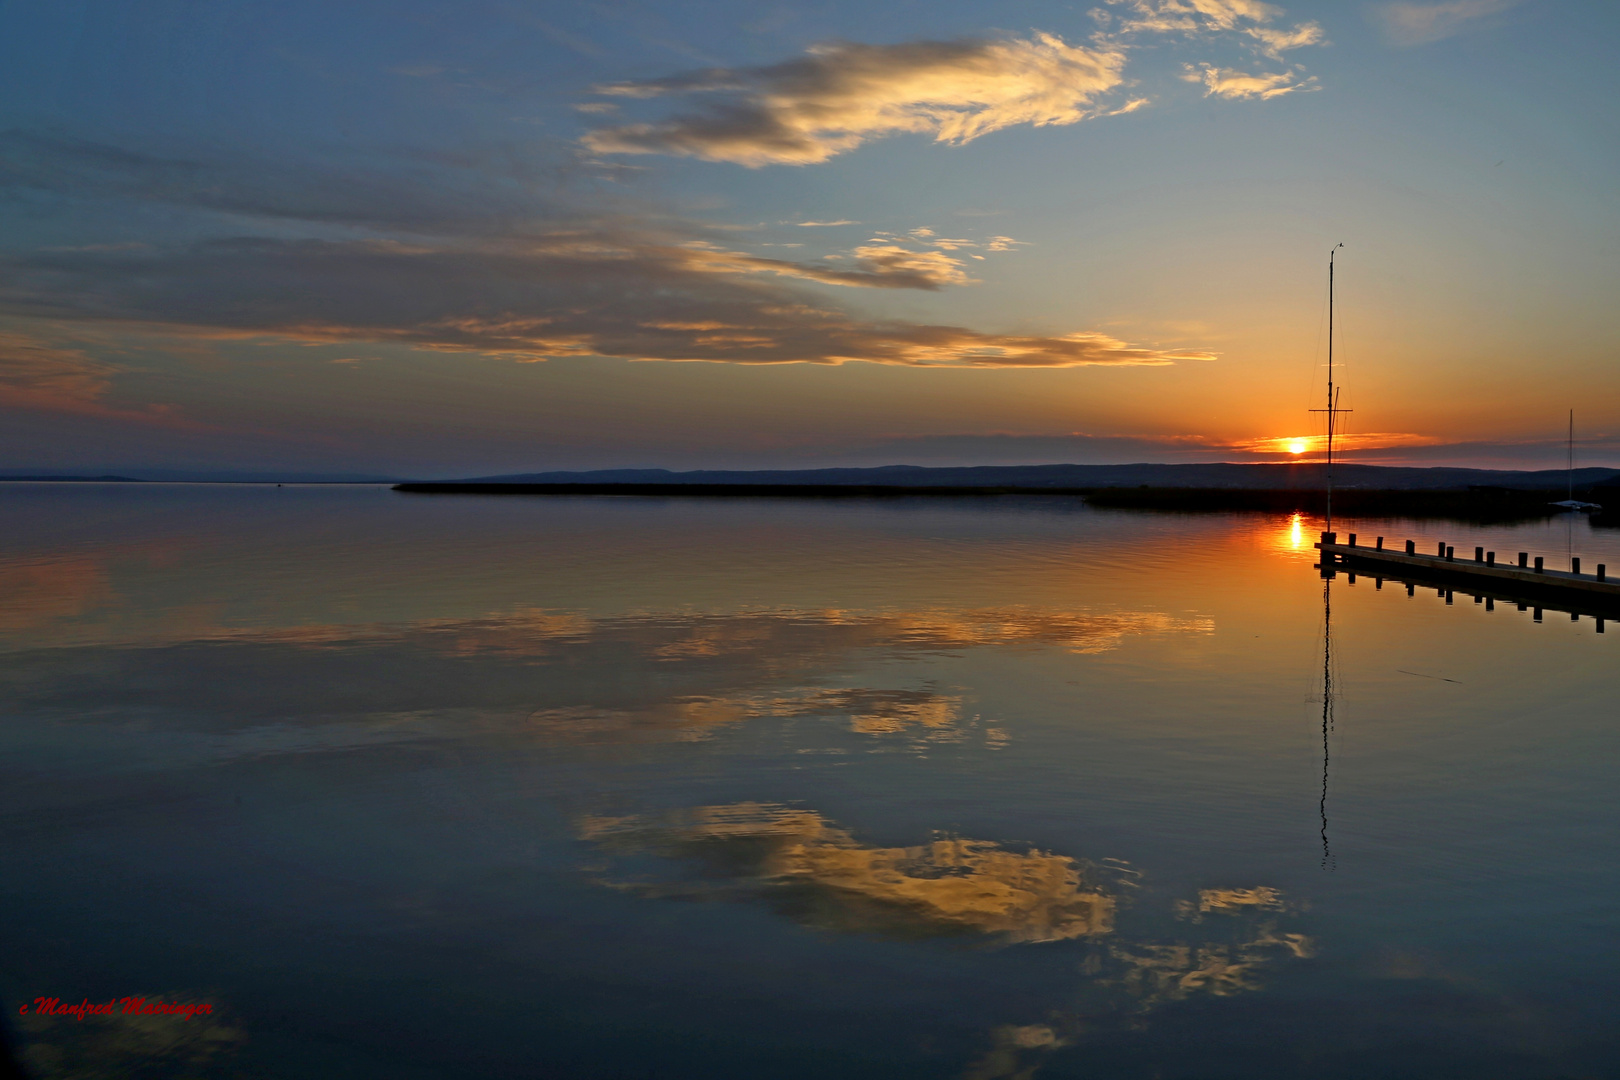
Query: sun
[{"x": 1296, "y": 446}]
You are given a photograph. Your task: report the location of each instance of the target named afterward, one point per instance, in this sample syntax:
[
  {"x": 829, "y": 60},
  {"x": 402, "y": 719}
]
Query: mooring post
[
  {"x": 1448, "y": 597},
  {"x": 1490, "y": 604},
  {"x": 1574, "y": 564},
  {"x": 1411, "y": 548},
  {"x": 1352, "y": 539},
  {"x": 1600, "y": 626},
  {"x": 1490, "y": 558},
  {"x": 1410, "y": 589},
  {"x": 1536, "y": 614},
  {"x": 1524, "y": 559},
  {"x": 1379, "y": 546},
  {"x": 1538, "y": 564},
  {"x": 1442, "y": 552},
  {"x": 1602, "y": 572},
  {"x": 1479, "y": 554},
  {"x": 1573, "y": 617},
  {"x": 1451, "y": 553}
]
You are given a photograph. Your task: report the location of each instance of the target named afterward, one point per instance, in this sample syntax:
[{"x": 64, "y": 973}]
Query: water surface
[{"x": 453, "y": 786}]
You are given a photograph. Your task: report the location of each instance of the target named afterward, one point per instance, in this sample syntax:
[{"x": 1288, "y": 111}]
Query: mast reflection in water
[{"x": 1327, "y": 706}]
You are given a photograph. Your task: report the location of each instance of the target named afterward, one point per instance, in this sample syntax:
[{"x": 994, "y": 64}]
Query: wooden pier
[{"x": 1523, "y": 580}]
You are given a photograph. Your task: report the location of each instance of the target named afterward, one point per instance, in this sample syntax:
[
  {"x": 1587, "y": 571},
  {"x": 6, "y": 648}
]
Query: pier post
[
  {"x": 1451, "y": 553},
  {"x": 1479, "y": 554},
  {"x": 1411, "y": 547},
  {"x": 1352, "y": 539},
  {"x": 1379, "y": 546},
  {"x": 1575, "y": 564},
  {"x": 1538, "y": 564},
  {"x": 1410, "y": 589},
  {"x": 1442, "y": 552},
  {"x": 1602, "y": 572},
  {"x": 1448, "y": 598},
  {"x": 1490, "y": 558},
  {"x": 1524, "y": 559},
  {"x": 1600, "y": 626},
  {"x": 1490, "y": 603},
  {"x": 1536, "y": 614}
]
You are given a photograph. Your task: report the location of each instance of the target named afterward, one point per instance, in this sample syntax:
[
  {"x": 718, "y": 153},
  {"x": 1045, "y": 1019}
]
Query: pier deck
[{"x": 1597, "y": 589}]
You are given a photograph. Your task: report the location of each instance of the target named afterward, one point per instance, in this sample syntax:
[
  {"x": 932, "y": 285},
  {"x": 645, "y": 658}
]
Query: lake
[{"x": 437, "y": 786}]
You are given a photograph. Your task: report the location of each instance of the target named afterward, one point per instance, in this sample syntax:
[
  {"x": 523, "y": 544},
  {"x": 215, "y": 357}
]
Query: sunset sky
[{"x": 442, "y": 239}]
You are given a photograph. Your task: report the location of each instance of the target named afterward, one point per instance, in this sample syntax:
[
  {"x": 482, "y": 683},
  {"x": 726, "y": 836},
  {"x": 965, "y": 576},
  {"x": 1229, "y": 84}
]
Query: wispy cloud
[
  {"x": 580, "y": 294},
  {"x": 41, "y": 376},
  {"x": 824, "y": 224},
  {"x": 1228, "y": 83},
  {"x": 1274, "y": 42},
  {"x": 422, "y": 193},
  {"x": 1202, "y": 18},
  {"x": 844, "y": 94},
  {"x": 1419, "y": 24}
]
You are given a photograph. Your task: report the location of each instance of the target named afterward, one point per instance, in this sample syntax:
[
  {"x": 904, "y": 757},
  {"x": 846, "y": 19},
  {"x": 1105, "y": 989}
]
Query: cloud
[
  {"x": 844, "y": 94},
  {"x": 1229, "y": 83},
  {"x": 31, "y": 369},
  {"x": 1419, "y": 24},
  {"x": 1191, "y": 16},
  {"x": 579, "y": 293},
  {"x": 823, "y": 224},
  {"x": 935, "y": 267},
  {"x": 439, "y": 194},
  {"x": 39, "y": 376},
  {"x": 1274, "y": 43},
  {"x": 1203, "y": 18}
]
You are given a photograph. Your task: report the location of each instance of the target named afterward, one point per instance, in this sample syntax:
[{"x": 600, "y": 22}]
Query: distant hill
[
  {"x": 195, "y": 476},
  {"x": 1281, "y": 477},
  {"x": 55, "y": 479}
]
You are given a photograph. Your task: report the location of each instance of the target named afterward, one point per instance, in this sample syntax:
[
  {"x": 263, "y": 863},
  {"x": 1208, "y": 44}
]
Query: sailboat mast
[
  {"x": 1571, "y": 495},
  {"x": 1330, "y": 394},
  {"x": 1332, "y": 409}
]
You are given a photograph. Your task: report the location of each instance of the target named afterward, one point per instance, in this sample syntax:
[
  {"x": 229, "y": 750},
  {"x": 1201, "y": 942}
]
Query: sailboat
[{"x": 1570, "y": 502}]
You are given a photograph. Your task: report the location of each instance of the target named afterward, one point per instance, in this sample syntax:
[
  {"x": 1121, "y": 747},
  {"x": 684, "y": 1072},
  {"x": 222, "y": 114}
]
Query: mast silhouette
[{"x": 1332, "y": 409}]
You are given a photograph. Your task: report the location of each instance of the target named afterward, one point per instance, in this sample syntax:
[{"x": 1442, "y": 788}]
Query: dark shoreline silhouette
[{"x": 1482, "y": 505}]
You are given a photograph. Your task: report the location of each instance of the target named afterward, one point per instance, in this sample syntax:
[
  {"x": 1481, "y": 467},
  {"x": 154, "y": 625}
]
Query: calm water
[{"x": 442, "y": 787}]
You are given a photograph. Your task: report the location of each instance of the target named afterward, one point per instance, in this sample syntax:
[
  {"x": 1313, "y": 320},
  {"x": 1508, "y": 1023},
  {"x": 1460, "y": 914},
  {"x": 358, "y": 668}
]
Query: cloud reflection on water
[
  {"x": 561, "y": 676},
  {"x": 819, "y": 875},
  {"x": 805, "y": 868}
]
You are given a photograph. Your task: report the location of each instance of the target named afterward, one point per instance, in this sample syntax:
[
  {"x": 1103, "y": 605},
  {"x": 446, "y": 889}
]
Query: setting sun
[{"x": 1296, "y": 446}]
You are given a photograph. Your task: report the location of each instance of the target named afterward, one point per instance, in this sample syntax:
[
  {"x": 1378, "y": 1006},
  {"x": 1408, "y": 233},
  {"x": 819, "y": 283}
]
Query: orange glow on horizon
[{"x": 1296, "y": 446}]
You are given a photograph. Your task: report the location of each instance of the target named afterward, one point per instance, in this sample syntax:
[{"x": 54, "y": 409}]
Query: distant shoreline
[{"x": 1479, "y": 505}]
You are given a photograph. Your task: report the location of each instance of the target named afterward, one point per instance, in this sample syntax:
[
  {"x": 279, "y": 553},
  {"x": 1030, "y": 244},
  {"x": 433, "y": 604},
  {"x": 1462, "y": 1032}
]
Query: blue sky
[{"x": 437, "y": 239}]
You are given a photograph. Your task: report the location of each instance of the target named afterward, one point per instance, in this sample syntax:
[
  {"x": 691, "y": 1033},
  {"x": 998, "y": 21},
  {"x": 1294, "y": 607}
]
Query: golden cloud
[
  {"x": 592, "y": 291},
  {"x": 844, "y": 94},
  {"x": 1230, "y": 83}
]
